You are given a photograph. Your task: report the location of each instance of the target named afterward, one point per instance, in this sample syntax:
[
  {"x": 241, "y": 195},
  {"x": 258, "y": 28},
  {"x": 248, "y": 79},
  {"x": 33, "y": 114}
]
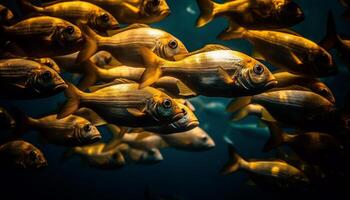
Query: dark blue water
[{"x": 185, "y": 174}]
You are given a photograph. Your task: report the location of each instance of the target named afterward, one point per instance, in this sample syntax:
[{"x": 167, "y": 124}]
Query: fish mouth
[
  {"x": 165, "y": 12},
  {"x": 61, "y": 86},
  {"x": 42, "y": 165},
  {"x": 271, "y": 84},
  {"x": 95, "y": 138},
  {"x": 178, "y": 116},
  {"x": 192, "y": 124},
  {"x": 114, "y": 27}
]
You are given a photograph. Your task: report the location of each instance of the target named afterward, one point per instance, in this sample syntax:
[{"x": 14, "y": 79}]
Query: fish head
[
  {"x": 155, "y": 8},
  {"x": 170, "y": 47},
  {"x": 103, "y": 21},
  {"x": 47, "y": 80},
  {"x": 86, "y": 132},
  {"x": 49, "y": 62},
  {"x": 69, "y": 35},
  {"x": 321, "y": 89},
  {"x": 187, "y": 122},
  {"x": 151, "y": 156},
  {"x": 323, "y": 63},
  {"x": 6, "y": 120},
  {"x": 166, "y": 109},
  {"x": 5, "y": 14},
  {"x": 33, "y": 158},
  {"x": 102, "y": 58},
  {"x": 255, "y": 77},
  {"x": 289, "y": 13},
  {"x": 195, "y": 139}
]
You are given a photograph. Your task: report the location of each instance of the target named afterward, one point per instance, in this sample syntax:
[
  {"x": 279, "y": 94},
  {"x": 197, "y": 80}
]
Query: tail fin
[
  {"x": 73, "y": 95},
  {"x": 234, "y": 31},
  {"x": 276, "y": 137},
  {"x": 152, "y": 63},
  {"x": 332, "y": 38},
  {"x": 234, "y": 162},
  {"x": 28, "y": 7},
  {"x": 237, "y": 104},
  {"x": 207, "y": 13},
  {"x": 91, "y": 44}
]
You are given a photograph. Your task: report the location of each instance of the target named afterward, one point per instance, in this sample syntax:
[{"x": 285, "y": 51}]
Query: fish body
[
  {"x": 266, "y": 14},
  {"x": 19, "y": 154},
  {"x": 28, "y": 79},
  {"x": 139, "y": 156}
]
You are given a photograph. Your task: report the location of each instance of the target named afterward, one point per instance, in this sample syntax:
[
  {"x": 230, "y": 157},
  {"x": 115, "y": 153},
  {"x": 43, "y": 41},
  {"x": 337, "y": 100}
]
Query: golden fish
[
  {"x": 287, "y": 50},
  {"x": 6, "y": 119},
  {"x": 77, "y": 11},
  {"x": 28, "y": 79},
  {"x": 286, "y": 79},
  {"x": 125, "y": 105},
  {"x": 6, "y": 15},
  {"x": 271, "y": 169},
  {"x": 19, "y": 154},
  {"x": 125, "y": 44},
  {"x": 266, "y": 14},
  {"x": 219, "y": 73},
  {"x": 46, "y": 36},
  {"x": 139, "y": 156}
]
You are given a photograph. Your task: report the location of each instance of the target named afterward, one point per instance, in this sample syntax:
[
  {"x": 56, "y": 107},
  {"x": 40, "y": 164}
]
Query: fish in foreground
[
  {"x": 76, "y": 11},
  {"x": 7, "y": 121},
  {"x": 6, "y": 15},
  {"x": 46, "y": 36},
  {"x": 126, "y": 48},
  {"x": 19, "y": 154},
  {"x": 313, "y": 147},
  {"x": 297, "y": 108},
  {"x": 72, "y": 130},
  {"x": 211, "y": 72},
  {"x": 28, "y": 79},
  {"x": 276, "y": 169},
  {"x": 267, "y": 14},
  {"x": 286, "y": 49},
  {"x": 125, "y": 105}
]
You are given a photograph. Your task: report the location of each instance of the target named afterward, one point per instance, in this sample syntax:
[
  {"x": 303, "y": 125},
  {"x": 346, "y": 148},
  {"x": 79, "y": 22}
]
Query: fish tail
[
  {"x": 207, "y": 12},
  {"x": 234, "y": 31},
  {"x": 90, "y": 76},
  {"x": 276, "y": 137},
  {"x": 238, "y": 103},
  {"x": 153, "y": 71},
  {"x": 28, "y": 7},
  {"x": 73, "y": 96},
  {"x": 241, "y": 114},
  {"x": 235, "y": 160},
  {"x": 331, "y": 39}
]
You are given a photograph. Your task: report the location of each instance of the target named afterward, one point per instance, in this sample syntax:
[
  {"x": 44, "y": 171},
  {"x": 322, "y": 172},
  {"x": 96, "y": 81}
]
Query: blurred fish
[
  {"x": 95, "y": 157},
  {"x": 6, "y": 15},
  {"x": 286, "y": 79},
  {"x": 69, "y": 131},
  {"x": 134, "y": 11},
  {"x": 313, "y": 147},
  {"x": 45, "y": 36},
  {"x": 125, "y": 44},
  {"x": 286, "y": 49},
  {"x": 219, "y": 73},
  {"x": 6, "y": 119},
  {"x": 28, "y": 79},
  {"x": 277, "y": 169},
  {"x": 76, "y": 11},
  {"x": 19, "y": 154},
  {"x": 295, "y": 108},
  {"x": 267, "y": 14},
  {"x": 125, "y": 105},
  {"x": 138, "y": 156}
]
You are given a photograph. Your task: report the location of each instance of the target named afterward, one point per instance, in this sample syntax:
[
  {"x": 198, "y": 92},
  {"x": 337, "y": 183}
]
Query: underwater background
[{"x": 184, "y": 175}]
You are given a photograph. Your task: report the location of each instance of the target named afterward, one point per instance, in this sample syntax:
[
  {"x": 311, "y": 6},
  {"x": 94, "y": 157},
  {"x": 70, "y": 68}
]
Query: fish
[
  {"x": 95, "y": 157},
  {"x": 286, "y": 79},
  {"x": 268, "y": 14},
  {"x": 313, "y": 147},
  {"x": 219, "y": 73},
  {"x": 274, "y": 169},
  {"x": 296, "y": 108},
  {"x": 125, "y": 105},
  {"x": 134, "y": 11},
  {"x": 46, "y": 36},
  {"x": 76, "y": 11},
  {"x": 28, "y": 79},
  {"x": 21, "y": 155},
  {"x": 72, "y": 130},
  {"x": 6, "y": 15},
  {"x": 49, "y": 62},
  {"x": 286, "y": 49},
  {"x": 139, "y": 156},
  {"x": 125, "y": 44},
  {"x": 7, "y": 121}
]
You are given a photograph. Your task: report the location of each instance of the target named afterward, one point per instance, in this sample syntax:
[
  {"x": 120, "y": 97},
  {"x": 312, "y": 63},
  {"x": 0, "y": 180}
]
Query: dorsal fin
[
  {"x": 285, "y": 30},
  {"x": 50, "y": 3}
]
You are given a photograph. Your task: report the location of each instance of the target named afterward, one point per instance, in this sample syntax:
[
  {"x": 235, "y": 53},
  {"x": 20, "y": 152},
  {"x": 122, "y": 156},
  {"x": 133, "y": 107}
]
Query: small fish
[
  {"x": 6, "y": 119},
  {"x": 126, "y": 49},
  {"x": 46, "y": 36},
  {"x": 310, "y": 146},
  {"x": 28, "y": 79},
  {"x": 286, "y": 79},
  {"x": 296, "y": 108},
  {"x": 277, "y": 169},
  {"x": 287, "y": 50},
  {"x": 6, "y": 15},
  {"x": 125, "y": 105},
  {"x": 267, "y": 14},
  {"x": 76, "y": 11},
  {"x": 69, "y": 131},
  {"x": 141, "y": 157},
  {"x": 219, "y": 73},
  {"x": 19, "y": 154}
]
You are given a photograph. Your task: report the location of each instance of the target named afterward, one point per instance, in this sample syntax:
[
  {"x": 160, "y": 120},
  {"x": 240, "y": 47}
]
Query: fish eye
[
  {"x": 167, "y": 103},
  {"x": 87, "y": 127},
  {"x": 105, "y": 17},
  {"x": 258, "y": 69},
  {"x": 33, "y": 155},
  {"x": 70, "y": 30},
  {"x": 205, "y": 138},
  {"x": 155, "y": 2},
  {"x": 324, "y": 91},
  {"x": 173, "y": 44},
  {"x": 46, "y": 76}
]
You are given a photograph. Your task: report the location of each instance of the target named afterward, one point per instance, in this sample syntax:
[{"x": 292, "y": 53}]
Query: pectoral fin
[
  {"x": 227, "y": 78},
  {"x": 136, "y": 112},
  {"x": 131, "y": 8},
  {"x": 296, "y": 59},
  {"x": 184, "y": 90},
  {"x": 266, "y": 116}
]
